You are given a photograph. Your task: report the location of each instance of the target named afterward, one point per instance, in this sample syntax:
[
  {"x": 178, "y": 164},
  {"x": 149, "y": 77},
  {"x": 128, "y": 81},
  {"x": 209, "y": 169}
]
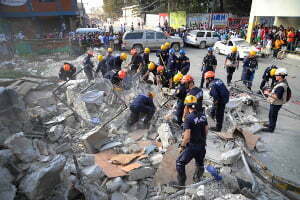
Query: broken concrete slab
[
  {"x": 94, "y": 138},
  {"x": 86, "y": 160},
  {"x": 93, "y": 173},
  {"x": 110, "y": 145},
  {"x": 64, "y": 147},
  {"x": 114, "y": 184},
  {"x": 93, "y": 192},
  {"x": 6, "y": 155},
  {"x": 232, "y": 197},
  {"x": 165, "y": 135},
  {"x": 250, "y": 138},
  {"x": 141, "y": 173},
  {"x": 7, "y": 190},
  {"x": 56, "y": 132},
  {"x": 231, "y": 156},
  {"x": 156, "y": 158}
]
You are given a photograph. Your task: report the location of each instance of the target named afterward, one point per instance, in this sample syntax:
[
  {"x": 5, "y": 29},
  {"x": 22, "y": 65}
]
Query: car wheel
[
  {"x": 176, "y": 46},
  {"x": 202, "y": 45},
  {"x": 138, "y": 47},
  {"x": 217, "y": 50}
]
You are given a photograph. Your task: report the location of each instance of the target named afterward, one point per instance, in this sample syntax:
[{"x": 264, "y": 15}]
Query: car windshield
[{"x": 241, "y": 43}]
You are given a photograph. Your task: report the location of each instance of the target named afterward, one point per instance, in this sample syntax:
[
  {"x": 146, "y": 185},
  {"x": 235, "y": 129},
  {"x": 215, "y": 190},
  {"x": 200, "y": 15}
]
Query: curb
[{"x": 293, "y": 56}]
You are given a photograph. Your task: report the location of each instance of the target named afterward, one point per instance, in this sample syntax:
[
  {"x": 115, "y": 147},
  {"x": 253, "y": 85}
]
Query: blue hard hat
[
  {"x": 210, "y": 49},
  {"x": 182, "y": 52},
  {"x": 172, "y": 51}
]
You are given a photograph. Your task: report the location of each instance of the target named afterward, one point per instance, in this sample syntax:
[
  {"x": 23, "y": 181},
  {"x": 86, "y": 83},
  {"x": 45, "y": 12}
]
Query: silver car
[
  {"x": 141, "y": 39},
  {"x": 201, "y": 38}
]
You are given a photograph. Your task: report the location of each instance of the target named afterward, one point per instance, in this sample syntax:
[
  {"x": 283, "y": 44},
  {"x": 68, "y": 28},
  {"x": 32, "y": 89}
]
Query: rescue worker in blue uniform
[
  {"x": 67, "y": 72},
  {"x": 193, "y": 143},
  {"x": 209, "y": 64},
  {"x": 220, "y": 95},
  {"x": 231, "y": 63},
  {"x": 184, "y": 62},
  {"x": 268, "y": 74},
  {"x": 88, "y": 66},
  {"x": 163, "y": 78},
  {"x": 142, "y": 105},
  {"x": 116, "y": 77},
  {"x": 180, "y": 94},
  {"x": 117, "y": 61},
  {"x": 279, "y": 95},
  {"x": 173, "y": 62},
  {"x": 162, "y": 55},
  {"x": 136, "y": 61},
  {"x": 249, "y": 67}
]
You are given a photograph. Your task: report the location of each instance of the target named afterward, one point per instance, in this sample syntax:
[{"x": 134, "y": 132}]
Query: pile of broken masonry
[{"x": 72, "y": 144}]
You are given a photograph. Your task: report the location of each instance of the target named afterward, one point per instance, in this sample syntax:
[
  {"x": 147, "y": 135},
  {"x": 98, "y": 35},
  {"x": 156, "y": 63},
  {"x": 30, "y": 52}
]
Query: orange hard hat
[
  {"x": 209, "y": 74},
  {"x": 160, "y": 68},
  {"x": 187, "y": 78},
  {"x": 133, "y": 51},
  {"x": 67, "y": 67},
  {"x": 122, "y": 74}
]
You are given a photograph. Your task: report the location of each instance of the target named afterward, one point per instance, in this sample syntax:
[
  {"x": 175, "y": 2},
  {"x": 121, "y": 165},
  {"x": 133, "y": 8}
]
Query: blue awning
[{"x": 37, "y": 14}]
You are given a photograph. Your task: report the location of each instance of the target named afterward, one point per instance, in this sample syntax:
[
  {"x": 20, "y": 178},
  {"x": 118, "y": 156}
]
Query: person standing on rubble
[
  {"x": 249, "y": 67},
  {"x": 162, "y": 55},
  {"x": 67, "y": 72},
  {"x": 136, "y": 62},
  {"x": 268, "y": 74},
  {"x": 209, "y": 64},
  {"x": 101, "y": 65},
  {"x": 146, "y": 61},
  {"x": 279, "y": 95},
  {"x": 184, "y": 62},
  {"x": 163, "y": 78},
  {"x": 231, "y": 63},
  {"x": 220, "y": 95},
  {"x": 142, "y": 105},
  {"x": 173, "y": 62},
  {"x": 180, "y": 94},
  {"x": 118, "y": 60},
  {"x": 193, "y": 142},
  {"x": 88, "y": 66}
]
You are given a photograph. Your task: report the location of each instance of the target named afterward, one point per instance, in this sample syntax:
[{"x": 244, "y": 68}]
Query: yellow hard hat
[
  {"x": 177, "y": 78},
  {"x": 234, "y": 49},
  {"x": 151, "y": 66},
  {"x": 123, "y": 56},
  {"x": 167, "y": 44},
  {"x": 147, "y": 50},
  {"x": 272, "y": 72},
  {"x": 100, "y": 58},
  {"x": 190, "y": 100},
  {"x": 252, "y": 53},
  {"x": 163, "y": 47},
  {"x": 110, "y": 50}
]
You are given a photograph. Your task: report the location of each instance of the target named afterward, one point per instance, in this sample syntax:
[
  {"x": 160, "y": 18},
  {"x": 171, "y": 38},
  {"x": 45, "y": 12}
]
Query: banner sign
[
  {"x": 13, "y": 2},
  {"x": 219, "y": 19},
  {"x": 237, "y": 22},
  {"x": 163, "y": 19},
  {"x": 177, "y": 19},
  {"x": 197, "y": 19}
]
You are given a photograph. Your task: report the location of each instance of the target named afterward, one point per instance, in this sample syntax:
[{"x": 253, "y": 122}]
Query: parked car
[
  {"x": 224, "y": 47},
  {"x": 141, "y": 39},
  {"x": 201, "y": 38}
]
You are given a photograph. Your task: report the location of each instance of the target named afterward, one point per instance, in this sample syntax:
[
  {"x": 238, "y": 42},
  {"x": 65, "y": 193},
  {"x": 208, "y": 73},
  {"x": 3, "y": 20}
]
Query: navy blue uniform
[
  {"x": 266, "y": 77},
  {"x": 184, "y": 64},
  {"x": 136, "y": 62},
  {"x": 196, "y": 122},
  {"x": 274, "y": 109},
  {"x": 88, "y": 67},
  {"x": 162, "y": 57},
  {"x": 113, "y": 77},
  {"x": 67, "y": 75},
  {"x": 230, "y": 69},
  {"x": 146, "y": 62},
  {"x": 116, "y": 62},
  {"x": 198, "y": 93},
  {"x": 220, "y": 94},
  {"x": 249, "y": 67},
  {"x": 165, "y": 79},
  {"x": 181, "y": 93},
  {"x": 142, "y": 104},
  {"x": 209, "y": 61},
  {"x": 172, "y": 66}
]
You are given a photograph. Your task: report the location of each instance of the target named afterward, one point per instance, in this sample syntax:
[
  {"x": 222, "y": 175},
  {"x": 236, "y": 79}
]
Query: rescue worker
[
  {"x": 146, "y": 61},
  {"x": 163, "y": 78},
  {"x": 172, "y": 66},
  {"x": 249, "y": 67},
  {"x": 116, "y": 77},
  {"x": 180, "y": 93},
  {"x": 118, "y": 60},
  {"x": 136, "y": 61},
  {"x": 162, "y": 55},
  {"x": 151, "y": 69},
  {"x": 220, "y": 95},
  {"x": 142, "y": 105},
  {"x": 209, "y": 64},
  {"x": 101, "y": 65},
  {"x": 193, "y": 142},
  {"x": 67, "y": 72},
  {"x": 231, "y": 63},
  {"x": 88, "y": 66},
  {"x": 268, "y": 74},
  {"x": 277, "y": 97},
  {"x": 184, "y": 62},
  {"x": 168, "y": 46}
]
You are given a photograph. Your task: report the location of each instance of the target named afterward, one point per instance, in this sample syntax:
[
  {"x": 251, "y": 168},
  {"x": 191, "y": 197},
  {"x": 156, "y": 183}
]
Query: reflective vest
[{"x": 284, "y": 96}]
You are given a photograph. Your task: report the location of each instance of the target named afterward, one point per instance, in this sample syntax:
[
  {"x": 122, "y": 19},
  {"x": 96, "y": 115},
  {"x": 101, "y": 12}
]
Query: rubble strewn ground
[{"x": 48, "y": 151}]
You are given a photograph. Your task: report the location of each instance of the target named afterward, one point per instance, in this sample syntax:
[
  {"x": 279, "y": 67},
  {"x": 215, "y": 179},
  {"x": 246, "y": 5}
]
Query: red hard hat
[
  {"x": 186, "y": 79},
  {"x": 122, "y": 74},
  {"x": 209, "y": 74},
  {"x": 67, "y": 67},
  {"x": 160, "y": 68}
]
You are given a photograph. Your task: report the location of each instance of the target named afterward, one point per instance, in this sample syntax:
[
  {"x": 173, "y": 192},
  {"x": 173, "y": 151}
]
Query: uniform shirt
[
  {"x": 184, "y": 62},
  {"x": 233, "y": 58},
  {"x": 102, "y": 67},
  {"x": 142, "y": 100},
  {"x": 113, "y": 77},
  {"x": 196, "y": 122},
  {"x": 162, "y": 57},
  {"x": 266, "y": 74},
  {"x": 146, "y": 58},
  {"x": 87, "y": 63},
  {"x": 117, "y": 63},
  {"x": 70, "y": 73},
  {"x": 136, "y": 61},
  {"x": 250, "y": 63},
  {"x": 181, "y": 92},
  {"x": 172, "y": 65},
  {"x": 218, "y": 91},
  {"x": 165, "y": 78},
  {"x": 209, "y": 61}
]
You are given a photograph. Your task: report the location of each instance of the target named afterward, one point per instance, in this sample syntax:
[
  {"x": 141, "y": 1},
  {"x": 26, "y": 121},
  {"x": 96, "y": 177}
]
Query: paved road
[{"x": 282, "y": 156}]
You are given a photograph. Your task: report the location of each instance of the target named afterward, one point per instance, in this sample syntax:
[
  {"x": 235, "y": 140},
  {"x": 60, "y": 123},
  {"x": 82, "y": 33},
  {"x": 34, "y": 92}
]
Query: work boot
[
  {"x": 181, "y": 178},
  {"x": 215, "y": 129},
  {"x": 267, "y": 130},
  {"x": 198, "y": 174}
]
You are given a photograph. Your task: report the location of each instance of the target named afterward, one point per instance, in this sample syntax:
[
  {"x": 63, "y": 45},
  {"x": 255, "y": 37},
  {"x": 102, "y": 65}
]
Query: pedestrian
[
  {"x": 268, "y": 74},
  {"x": 88, "y": 66},
  {"x": 209, "y": 64},
  {"x": 220, "y": 95},
  {"x": 193, "y": 143},
  {"x": 184, "y": 62},
  {"x": 67, "y": 72},
  {"x": 249, "y": 67},
  {"x": 279, "y": 95},
  {"x": 231, "y": 63},
  {"x": 277, "y": 46},
  {"x": 180, "y": 94},
  {"x": 290, "y": 40}
]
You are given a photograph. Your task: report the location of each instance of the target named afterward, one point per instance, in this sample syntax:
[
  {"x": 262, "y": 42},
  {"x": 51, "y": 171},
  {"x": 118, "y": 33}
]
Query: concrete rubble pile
[{"x": 73, "y": 144}]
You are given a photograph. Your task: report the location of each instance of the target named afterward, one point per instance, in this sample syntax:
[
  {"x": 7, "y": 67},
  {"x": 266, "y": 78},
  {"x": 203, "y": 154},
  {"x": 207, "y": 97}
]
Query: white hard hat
[{"x": 281, "y": 71}]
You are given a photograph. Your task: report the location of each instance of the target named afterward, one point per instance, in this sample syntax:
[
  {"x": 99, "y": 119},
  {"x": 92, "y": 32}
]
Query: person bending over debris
[
  {"x": 231, "y": 63},
  {"x": 193, "y": 142},
  {"x": 220, "y": 95},
  {"x": 180, "y": 93},
  {"x": 152, "y": 68},
  {"x": 118, "y": 60},
  {"x": 67, "y": 72},
  {"x": 136, "y": 62},
  {"x": 279, "y": 95},
  {"x": 163, "y": 78},
  {"x": 184, "y": 62},
  {"x": 88, "y": 66},
  {"x": 249, "y": 67},
  {"x": 268, "y": 74},
  {"x": 116, "y": 77},
  {"x": 142, "y": 104},
  {"x": 209, "y": 64}
]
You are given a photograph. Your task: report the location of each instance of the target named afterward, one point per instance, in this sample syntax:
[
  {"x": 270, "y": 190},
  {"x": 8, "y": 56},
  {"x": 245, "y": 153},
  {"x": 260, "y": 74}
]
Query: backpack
[{"x": 289, "y": 93}]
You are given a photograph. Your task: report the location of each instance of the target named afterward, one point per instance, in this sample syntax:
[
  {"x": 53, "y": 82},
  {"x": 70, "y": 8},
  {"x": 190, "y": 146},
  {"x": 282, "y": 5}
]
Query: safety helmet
[
  {"x": 187, "y": 79},
  {"x": 281, "y": 72},
  {"x": 252, "y": 53},
  {"x": 172, "y": 51},
  {"x": 100, "y": 58},
  {"x": 210, "y": 49},
  {"x": 67, "y": 67},
  {"x": 163, "y": 47},
  {"x": 234, "y": 49},
  {"x": 110, "y": 50},
  {"x": 133, "y": 51},
  {"x": 190, "y": 100},
  {"x": 151, "y": 94},
  {"x": 151, "y": 66},
  {"x": 167, "y": 44},
  {"x": 209, "y": 74},
  {"x": 123, "y": 56},
  {"x": 122, "y": 74},
  {"x": 182, "y": 52},
  {"x": 177, "y": 78},
  {"x": 272, "y": 72},
  {"x": 146, "y": 50},
  {"x": 160, "y": 68}
]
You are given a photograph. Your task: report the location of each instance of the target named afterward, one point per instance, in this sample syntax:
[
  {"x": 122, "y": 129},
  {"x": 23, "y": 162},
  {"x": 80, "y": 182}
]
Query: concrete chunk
[
  {"x": 165, "y": 134},
  {"x": 56, "y": 132},
  {"x": 93, "y": 173},
  {"x": 94, "y": 138},
  {"x": 231, "y": 156},
  {"x": 141, "y": 173}
]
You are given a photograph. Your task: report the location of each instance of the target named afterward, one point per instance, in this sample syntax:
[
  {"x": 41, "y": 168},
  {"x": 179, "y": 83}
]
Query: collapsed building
[{"x": 67, "y": 140}]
